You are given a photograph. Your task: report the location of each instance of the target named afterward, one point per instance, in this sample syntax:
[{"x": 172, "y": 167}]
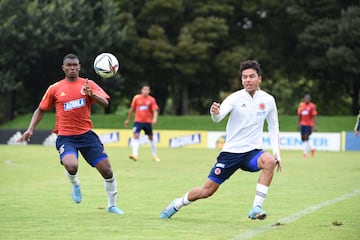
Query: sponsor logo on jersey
[
  {"x": 262, "y": 109},
  {"x": 82, "y": 91},
  {"x": 143, "y": 107},
  {"x": 78, "y": 103},
  {"x": 305, "y": 112},
  {"x": 262, "y": 106}
]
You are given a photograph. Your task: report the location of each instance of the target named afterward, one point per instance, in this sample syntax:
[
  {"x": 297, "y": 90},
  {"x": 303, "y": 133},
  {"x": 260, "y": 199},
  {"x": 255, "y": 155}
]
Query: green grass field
[
  {"x": 287, "y": 123},
  {"x": 36, "y": 204}
]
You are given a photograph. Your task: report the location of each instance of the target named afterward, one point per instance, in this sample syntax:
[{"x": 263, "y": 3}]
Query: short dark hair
[
  {"x": 145, "y": 84},
  {"x": 70, "y": 56},
  {"x": 250, "y": 64}
]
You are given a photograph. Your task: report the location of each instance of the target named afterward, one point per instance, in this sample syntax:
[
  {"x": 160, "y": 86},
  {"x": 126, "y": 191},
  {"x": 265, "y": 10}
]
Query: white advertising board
[{"x": 288, "y": 141}]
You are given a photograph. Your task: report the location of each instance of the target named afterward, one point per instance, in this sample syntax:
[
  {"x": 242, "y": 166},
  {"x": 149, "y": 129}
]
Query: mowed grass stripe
[
  {"x": 295, "y": 216},
  {"x": 36, "y": 202}
]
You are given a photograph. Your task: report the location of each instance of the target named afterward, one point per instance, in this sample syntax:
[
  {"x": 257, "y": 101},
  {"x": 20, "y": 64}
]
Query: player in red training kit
[
  {"x": 146, "y": 114},
  {"x": 307, "y": 123},
  {"x": 72, "y": 98}
]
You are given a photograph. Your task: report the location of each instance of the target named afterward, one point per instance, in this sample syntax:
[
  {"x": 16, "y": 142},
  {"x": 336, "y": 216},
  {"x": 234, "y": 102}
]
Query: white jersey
[{"x": 244, "y": 129}]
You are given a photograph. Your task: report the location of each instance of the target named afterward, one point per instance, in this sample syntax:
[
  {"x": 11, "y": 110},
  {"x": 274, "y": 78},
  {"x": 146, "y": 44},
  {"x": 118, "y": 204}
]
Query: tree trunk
[{"x": 185, "y": 100}]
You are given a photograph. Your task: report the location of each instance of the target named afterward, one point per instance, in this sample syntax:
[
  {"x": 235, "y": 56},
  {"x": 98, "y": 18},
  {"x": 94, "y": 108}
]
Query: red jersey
[
  {"x": 72, "y": 105},
  {"x": 307, "y": 112},
  {"x": 144, "y": 107}
]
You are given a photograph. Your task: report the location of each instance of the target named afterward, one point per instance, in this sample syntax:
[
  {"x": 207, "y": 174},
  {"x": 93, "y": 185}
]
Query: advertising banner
[
  {"x": 288, "y": 141},
  {"x": 193, "y": 139},
  {"x": 351, "y": 142},
  {"x": 163, "y": 138}
]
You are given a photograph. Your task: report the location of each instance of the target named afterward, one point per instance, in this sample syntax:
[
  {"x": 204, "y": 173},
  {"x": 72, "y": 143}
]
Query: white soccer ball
[{"x": 106, "y": 65}]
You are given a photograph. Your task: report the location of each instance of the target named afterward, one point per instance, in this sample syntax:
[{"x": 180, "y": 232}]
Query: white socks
[
  {"x": 179, "y": 202},
  {"x": 72, "y": 178},
  {"x": 261, "y": 192},
  {"x": 135, "y": 146},
  {"x": 307, "y": 147},
  {"x": 110, "y": 187},
  {"x": 153, "y": 147}
]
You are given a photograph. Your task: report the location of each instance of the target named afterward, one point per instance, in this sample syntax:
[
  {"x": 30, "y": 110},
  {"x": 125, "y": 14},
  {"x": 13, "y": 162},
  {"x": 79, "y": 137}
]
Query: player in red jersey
[
  {"x": 146, "y": 114},
  {"x": 72, "y": 98},
  {"x": 307, "y": 123}
]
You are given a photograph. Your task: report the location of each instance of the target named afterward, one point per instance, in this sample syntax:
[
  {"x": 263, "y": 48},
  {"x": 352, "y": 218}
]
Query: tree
[
  {"x": 344, "y": 54},
  {"x": 178, "y": 42},
  {"x": 41, "y": 33},
  {"x": 329, "y": 55},
  {"x": 189, "y": 51}
]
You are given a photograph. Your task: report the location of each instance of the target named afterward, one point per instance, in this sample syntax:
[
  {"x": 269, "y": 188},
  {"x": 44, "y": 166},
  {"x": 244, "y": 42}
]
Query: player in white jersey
[{"x": 248, "y": 109}]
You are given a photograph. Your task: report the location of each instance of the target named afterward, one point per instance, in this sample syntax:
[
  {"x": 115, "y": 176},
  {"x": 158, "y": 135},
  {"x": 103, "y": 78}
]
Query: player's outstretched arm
[
  {"x": 100, "y": 100},
  {"x": 155, "y": 116},
  {"x": 36, "y": 118},
  {"x": 127, "y": 120},
  {"x": 215, "y": 112}
]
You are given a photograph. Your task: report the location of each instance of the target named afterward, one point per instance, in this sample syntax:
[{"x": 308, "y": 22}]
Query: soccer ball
[{"x": 106, "y": 65}]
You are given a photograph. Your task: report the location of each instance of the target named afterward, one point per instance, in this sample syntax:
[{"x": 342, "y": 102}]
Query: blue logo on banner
[{"x": 185, "y": 140}]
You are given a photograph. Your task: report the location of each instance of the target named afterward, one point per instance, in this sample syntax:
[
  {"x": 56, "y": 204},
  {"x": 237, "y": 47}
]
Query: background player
[
  {"x": 357, "y": 125},
  {"x": 72, "y": 98},
  {"x": 307, "y": 123},
  {"x": 146, "y": 114}
]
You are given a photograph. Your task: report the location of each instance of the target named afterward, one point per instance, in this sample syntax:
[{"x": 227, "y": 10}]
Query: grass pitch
[
  {"x": 288, "y": 123},
  {"x": 36, "y": 204}
]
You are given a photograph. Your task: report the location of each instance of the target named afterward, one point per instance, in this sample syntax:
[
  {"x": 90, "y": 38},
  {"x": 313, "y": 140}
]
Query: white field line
[
  {"x": 295, "y": 216},
  {"x": 14, "y": 164}
]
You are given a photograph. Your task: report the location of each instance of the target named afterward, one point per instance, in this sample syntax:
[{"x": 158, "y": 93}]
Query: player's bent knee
[
  {"x": 270, "y": 164},
  {"x": 106, "y": 173},
  {"x": 71, "y": 168}
]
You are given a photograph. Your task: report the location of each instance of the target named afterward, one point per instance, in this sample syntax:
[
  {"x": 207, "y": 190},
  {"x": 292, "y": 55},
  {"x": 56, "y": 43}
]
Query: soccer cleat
[
  {"x": 116, "y": 210},
  {"x": 76, "y": 193},
  {"x": 168, "y": 211},
  {"x": 133, "y": 157},
  {"x": 257, "y": 213},
  {"x": 155, "y": 158},
  {"x": 313, "y": 152},
  {"x": 305, "y": 155}
]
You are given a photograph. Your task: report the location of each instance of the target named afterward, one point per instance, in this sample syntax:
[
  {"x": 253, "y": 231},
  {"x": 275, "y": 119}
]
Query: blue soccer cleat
[
  {"x": 257, "y": 213},
  {"x": 116, "y": 210},
  {"x": 168, "y": 211},
  {"x": 76, "y": 193}
]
